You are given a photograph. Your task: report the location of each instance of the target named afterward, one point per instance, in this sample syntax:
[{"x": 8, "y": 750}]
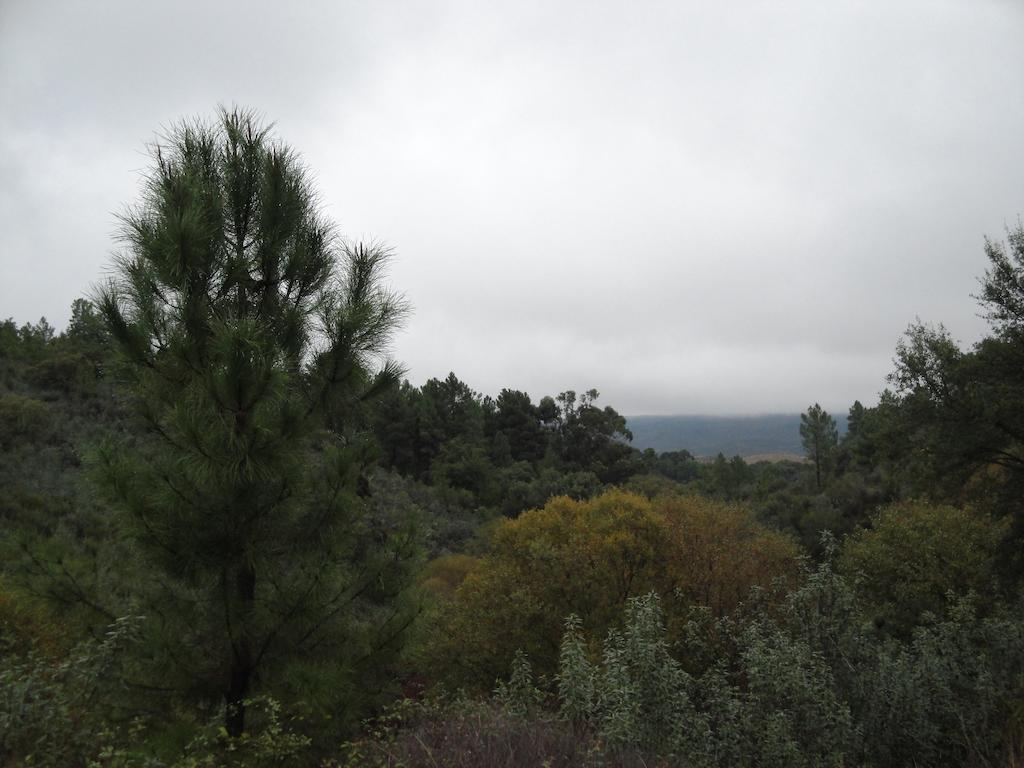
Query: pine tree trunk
[
  {"x": 234, "y": 714},
  {"x": 241, "y": 659}
]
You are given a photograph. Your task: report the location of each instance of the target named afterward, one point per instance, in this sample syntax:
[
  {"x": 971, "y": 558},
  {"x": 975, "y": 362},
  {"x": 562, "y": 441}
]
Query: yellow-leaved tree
[{"x": 588, "y": 558}]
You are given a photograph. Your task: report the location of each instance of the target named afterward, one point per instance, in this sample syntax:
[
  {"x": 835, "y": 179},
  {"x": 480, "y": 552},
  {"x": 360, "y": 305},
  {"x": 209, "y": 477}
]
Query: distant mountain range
[{"x": 745, "y": 436}]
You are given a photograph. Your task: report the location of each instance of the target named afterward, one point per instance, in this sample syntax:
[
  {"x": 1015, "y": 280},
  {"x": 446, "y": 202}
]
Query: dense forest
[{"x": 235, "y": 534}]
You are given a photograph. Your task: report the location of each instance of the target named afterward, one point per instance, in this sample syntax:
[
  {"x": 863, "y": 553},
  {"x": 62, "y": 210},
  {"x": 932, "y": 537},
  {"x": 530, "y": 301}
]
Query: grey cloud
[{"x": 692, "y": 208}]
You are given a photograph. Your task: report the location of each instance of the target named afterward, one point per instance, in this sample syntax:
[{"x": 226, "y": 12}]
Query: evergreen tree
[
  {"x": 518, "y": 418},
  {"x": 251, "y": 339},
  {"x": 819, "y": 436}
]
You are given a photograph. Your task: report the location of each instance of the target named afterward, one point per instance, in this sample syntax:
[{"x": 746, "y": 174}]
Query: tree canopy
[{"x": 589, "y": 558}]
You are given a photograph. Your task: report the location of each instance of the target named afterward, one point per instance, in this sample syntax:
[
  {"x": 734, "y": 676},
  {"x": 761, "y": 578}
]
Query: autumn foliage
[{"x": 589, "y": 558}]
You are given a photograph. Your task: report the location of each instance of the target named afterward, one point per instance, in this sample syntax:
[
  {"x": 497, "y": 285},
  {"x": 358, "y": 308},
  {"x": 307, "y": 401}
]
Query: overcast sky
[{"x": 692, "y": 207}]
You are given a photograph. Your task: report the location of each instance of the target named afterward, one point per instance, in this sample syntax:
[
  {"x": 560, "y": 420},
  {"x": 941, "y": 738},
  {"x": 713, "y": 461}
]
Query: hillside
[{"x": 730, "y": 435}]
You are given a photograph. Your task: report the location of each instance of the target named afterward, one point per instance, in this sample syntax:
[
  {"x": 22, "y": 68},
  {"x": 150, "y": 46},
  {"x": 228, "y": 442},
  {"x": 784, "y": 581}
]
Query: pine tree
[
  {"x": 820, "y": 437},
  {"x": 251, "y": 340}
]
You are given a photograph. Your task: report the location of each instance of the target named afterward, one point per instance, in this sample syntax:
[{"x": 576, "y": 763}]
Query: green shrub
[
  {"x": 914, "y": 553},
  {"x": 58, "y": 713},
  {"x": 22, "y": 419},
  {"x": 952, "y": 696}
]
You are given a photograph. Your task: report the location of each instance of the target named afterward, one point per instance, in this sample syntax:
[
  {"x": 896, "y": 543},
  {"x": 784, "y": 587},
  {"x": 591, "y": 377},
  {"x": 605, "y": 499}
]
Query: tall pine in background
[
  {"x": 251, "y": 339},
  {"x": 820, "y": 437}
]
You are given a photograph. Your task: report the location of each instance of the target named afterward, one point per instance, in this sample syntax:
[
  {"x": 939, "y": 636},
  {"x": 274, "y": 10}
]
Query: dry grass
[{"x": 775, "y": 458}]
